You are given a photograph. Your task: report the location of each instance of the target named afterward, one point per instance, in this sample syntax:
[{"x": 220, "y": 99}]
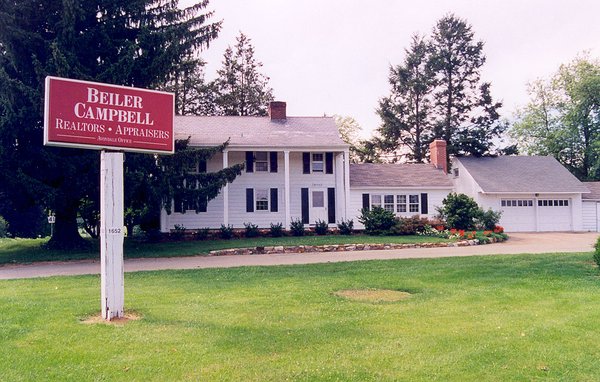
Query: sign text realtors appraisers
[{"x": 91, "y": 115}]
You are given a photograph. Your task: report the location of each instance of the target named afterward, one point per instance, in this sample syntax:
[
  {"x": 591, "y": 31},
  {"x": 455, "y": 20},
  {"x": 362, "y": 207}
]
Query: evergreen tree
[
  {"x": 466, "y": 116},
  {"x": 406, "y": 113},
  {"x": 118, "y": 41},
  {"x": 241, "y": 89},
  {"x": 349, "y": 130}
]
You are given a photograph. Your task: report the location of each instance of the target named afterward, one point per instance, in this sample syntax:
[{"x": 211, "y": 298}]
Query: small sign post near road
[{"x": 112, "y": 119}]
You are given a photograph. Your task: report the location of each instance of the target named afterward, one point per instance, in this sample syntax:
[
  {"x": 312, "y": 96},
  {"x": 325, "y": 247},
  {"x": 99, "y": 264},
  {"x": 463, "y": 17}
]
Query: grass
[
  {"x": 503, "y": 318},
  {"x": 30, "y": 250}
]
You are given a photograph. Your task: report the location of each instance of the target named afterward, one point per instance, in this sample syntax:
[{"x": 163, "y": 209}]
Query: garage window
[
  {"x": 553, "y": 202},
  {"x": 516, "y": 202}
]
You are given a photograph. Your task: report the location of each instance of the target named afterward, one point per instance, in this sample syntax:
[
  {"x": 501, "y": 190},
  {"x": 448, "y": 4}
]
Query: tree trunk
[{"x": 66, "y": 235}]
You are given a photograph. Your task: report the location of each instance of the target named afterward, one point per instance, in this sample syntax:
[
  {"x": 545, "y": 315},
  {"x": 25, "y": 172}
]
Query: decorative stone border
[{"x": 337, "y": 248}]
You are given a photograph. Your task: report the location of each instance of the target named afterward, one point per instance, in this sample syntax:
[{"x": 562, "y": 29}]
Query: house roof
[
  {"x": 594, "y": 188},
  {"x": 397, "y": 175},
  {"x": 521, "y": 174},
  {"x": 293, "y": 132}
]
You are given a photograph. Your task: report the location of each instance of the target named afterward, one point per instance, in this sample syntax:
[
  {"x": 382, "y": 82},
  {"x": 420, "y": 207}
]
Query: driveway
[{"x": 518, "y": 243}]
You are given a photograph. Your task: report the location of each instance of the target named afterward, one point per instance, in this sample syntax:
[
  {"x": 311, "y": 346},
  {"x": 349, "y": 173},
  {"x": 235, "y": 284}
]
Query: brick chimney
[
  {"x": 437, "y": 154},
  {"x": 277, "y": 110}
]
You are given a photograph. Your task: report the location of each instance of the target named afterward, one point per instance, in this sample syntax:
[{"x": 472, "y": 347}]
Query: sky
[{"x": 327, "y": 57}]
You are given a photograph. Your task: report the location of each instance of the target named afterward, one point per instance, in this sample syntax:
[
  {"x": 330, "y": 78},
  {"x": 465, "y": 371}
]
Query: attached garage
[
  {"x": 590, "y": 210},
  {"x": 534, "y": 193}
]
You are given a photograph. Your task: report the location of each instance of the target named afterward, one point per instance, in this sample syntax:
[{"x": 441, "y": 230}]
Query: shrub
[
  {"x": 297, "y": 227},
  {"x": 488, "y": 219},
  {"x": 251, "y": 230},
  {"x": 226, "y": 232},
  {"x": 3, "y": 227},
  {"x": 276, "y": 230},
  {"x": 377, "y": 221},
  {"x": 321, "y": 227},
  {"x": 201, "y": 233},
  {"x": 597, "y": 252},
  {"x": 459, "y": 211},
  {"x": 346, "y": 227},
  {"x": 410, "y": 226},
  {"x": 178, "y": 233}
]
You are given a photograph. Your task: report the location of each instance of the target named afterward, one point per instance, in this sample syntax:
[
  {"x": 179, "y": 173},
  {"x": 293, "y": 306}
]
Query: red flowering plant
[{"x": 498, "y": 229}]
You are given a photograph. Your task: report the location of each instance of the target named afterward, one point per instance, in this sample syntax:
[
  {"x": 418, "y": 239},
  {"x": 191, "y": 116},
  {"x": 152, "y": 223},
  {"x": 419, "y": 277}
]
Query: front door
[{"x": 318, "y": 205}]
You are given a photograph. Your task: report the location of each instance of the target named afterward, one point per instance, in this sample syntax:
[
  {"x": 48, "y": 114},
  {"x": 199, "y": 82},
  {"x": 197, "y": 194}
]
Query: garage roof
[
  {"x": 522, "y": 174},
  {"x": 594, "y": 188},
  {"x": 397, "y": 175}
]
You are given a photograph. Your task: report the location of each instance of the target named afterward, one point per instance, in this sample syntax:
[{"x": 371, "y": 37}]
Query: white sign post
[
  {"x": 111, "y": 235},
  {"x": 92, "y": 115}
]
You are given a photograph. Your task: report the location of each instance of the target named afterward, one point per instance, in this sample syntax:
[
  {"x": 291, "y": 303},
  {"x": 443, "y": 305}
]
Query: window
[
  {"x": 516, "y": 202},
  {"x": 262, "y": 199},
  {"x": 375, "y": 201},
  {"x": 553, "y": 202},
  {"x": 413, "y": 203},
  {"x": 400, "y": 203},
  {"x": 261, "y": 161},
  {"x": 388, "y": 203},
  {"x": 318, "y": 198},
  {"x": 317, "y": 162}
]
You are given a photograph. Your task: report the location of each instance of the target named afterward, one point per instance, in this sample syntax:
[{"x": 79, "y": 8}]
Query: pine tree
[
  {"x": 466, "y": 115},
  {"x": 193, "y": 94},
  {"x": 118, "y": 41},
  {"x": 405, "y": 113},
  {"x": 241, "y": 89}
]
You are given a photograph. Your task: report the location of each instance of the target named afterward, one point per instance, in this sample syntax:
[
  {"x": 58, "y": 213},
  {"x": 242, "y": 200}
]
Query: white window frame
[
  {"x": 261, "y": 162},
  {"x": 414, "y": 205},
  {"x": 375, "y": 203},
  {"x": 318, "y": 162},
  {"x": 401, "y": 205},
  {"x": 389, "y": 206},
  {"x": 267, "y": 199}
]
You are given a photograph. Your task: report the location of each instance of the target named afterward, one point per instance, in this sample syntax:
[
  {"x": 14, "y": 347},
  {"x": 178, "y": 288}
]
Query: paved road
[{"x": 518, "y": 243}]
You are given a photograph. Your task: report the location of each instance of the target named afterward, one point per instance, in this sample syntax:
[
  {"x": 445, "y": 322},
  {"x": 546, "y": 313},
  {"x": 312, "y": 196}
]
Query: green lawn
[
  {"x": 504, "y": 318},
  {"x": 29, "y": 250}
]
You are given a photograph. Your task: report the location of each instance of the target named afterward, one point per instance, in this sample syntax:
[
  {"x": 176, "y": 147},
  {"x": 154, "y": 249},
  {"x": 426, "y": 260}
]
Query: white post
[
  {"x": 346, "y": 183},
  {"x": 286, "y": 188},
  {"x": 226, "y": 191},
  {"x": 111, "y": 235}
]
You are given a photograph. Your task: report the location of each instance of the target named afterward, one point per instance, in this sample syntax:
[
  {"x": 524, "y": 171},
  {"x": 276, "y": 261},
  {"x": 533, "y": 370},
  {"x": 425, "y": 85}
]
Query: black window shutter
[
  {"x": 424, "y": 207},
  {"x": 178, "y": 205},
  {"x": 249, "y": 161},
  {"x": 306, "y": 163},
  {"x": 202, "y": 166},
  {"x": 331, "y": 205},
  {"x": 274, "y": 204},
  {"x": 329, "y": 163},
  {"x": 366, "y": 201},
  {"x": 273, "y": 160},
  {"x": 249, "y": 200},
  {"x": 304, "y": 195},
  {"x": 202, "y": 205}
]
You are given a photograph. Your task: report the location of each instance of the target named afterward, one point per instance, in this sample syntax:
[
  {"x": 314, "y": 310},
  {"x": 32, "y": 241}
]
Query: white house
[
  {"x": 295, "y": 168},
  {"x": 534, "y": 193},
  {"x": 298, "y": 168}
]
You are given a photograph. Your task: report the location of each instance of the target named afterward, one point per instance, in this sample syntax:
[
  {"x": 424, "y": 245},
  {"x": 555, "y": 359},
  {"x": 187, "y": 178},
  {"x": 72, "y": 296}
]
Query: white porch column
[
  {"x": 340, "y": 195},
  {"x": 112, "y": 290},
  {"x": 226, "y": 191},
  {"x": 286, "y": 188},
  {"x": 346, "y": 182}
]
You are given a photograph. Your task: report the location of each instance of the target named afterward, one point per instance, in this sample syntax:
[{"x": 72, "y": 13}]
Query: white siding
[
  {"x": 589, "y": 216},
  {"x": 434, "y": 199},
  {"x": 213, "y": 218}
]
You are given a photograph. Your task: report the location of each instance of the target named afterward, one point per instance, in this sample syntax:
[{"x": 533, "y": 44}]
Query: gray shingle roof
[
  {"x": 397, "y": 175},
  {"x": 594, "y": 188},
  {"x": 259, "y": 131},
  {"x": 528, "y": 174}
]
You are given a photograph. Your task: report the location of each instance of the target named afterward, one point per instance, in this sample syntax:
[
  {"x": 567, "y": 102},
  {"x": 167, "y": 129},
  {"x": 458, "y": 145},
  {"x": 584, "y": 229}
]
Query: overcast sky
[{"x": 332, "y": 56}]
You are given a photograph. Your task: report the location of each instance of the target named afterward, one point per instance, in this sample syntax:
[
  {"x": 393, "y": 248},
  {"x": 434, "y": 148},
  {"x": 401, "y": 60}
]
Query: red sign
[{"x": 100, "y": 116}]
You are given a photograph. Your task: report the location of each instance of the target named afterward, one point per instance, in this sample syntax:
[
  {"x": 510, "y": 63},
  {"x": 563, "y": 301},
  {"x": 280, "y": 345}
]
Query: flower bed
[{"x": 347, "y": 247}]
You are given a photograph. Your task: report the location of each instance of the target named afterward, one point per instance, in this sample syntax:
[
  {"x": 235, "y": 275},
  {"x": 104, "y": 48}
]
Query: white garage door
[
  {"x": 554, "y": 215},
  {"x": 518, "y": 215}
]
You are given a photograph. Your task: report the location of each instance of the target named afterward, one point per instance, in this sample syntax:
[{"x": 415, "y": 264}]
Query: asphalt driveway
[{"x": 518, "y": 243}]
